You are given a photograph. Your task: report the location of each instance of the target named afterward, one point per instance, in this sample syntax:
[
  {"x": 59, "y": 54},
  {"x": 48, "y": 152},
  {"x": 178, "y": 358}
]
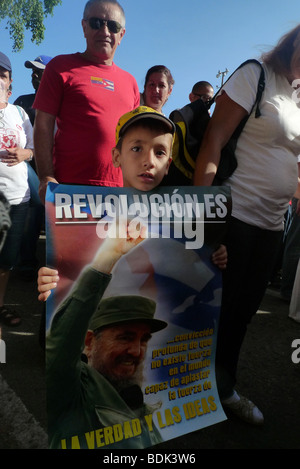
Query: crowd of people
[{"x": 66, "y": 149}]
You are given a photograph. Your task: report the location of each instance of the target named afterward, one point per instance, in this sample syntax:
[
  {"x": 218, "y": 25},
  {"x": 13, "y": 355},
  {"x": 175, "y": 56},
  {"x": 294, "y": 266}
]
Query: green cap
[{"x": 123, "y": 309}]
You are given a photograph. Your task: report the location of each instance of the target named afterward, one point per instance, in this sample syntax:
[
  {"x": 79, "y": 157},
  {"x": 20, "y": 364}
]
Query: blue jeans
[
  {"x": 10, "y": 252},
  {"x": 251, "y": 258},
  {"x": 33, "y": 225}
]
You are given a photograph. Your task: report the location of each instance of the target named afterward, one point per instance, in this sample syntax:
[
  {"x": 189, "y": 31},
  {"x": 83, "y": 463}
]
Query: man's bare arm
[{"x": 43, "y": 135}]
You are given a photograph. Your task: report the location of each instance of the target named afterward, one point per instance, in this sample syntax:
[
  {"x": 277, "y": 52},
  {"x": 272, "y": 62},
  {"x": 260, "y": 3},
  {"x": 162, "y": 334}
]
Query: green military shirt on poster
[{"x": 84, "y": 410}]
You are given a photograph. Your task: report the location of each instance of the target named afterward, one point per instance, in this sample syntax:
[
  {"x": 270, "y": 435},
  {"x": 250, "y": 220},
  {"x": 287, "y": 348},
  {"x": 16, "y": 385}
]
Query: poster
[{"x": 172, "y": 266}]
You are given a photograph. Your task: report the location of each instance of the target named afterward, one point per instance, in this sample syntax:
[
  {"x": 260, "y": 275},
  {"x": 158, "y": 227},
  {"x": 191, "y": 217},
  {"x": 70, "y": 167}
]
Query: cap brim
[
  {"x": 155, "y": 324},
  {"x": 146, "y": 115},
  {"x": 32, "y": 63},
  {"x": 5, "y": 67}
]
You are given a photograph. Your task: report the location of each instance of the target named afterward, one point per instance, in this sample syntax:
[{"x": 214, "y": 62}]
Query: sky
[{"x": 193, "y": 38}]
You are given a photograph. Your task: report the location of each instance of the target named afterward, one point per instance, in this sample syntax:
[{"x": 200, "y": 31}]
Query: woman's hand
[{"x": 16, "y": 155}]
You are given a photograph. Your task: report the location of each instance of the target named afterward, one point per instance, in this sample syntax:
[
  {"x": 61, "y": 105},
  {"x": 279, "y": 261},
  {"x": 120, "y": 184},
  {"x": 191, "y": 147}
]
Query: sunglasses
[
  {"x": 205, "y": 97},
  {"x": 98, "y": 23}
]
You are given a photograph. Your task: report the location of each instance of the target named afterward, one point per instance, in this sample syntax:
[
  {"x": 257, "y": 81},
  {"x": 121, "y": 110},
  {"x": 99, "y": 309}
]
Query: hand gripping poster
[{"x": 132, "y": 323}]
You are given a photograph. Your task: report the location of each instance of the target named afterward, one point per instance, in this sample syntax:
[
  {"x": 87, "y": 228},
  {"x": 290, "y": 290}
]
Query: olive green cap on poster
[{"x": 123, "y": 309}]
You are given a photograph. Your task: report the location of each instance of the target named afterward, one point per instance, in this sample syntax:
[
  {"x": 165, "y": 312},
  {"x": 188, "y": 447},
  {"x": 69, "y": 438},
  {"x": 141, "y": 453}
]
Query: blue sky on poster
[{"x": 195, "y": 39}]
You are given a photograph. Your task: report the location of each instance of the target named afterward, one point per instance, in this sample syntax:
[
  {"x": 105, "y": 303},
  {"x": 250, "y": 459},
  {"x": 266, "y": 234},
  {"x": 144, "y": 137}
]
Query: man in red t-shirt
[{"x": 80, "y": 100}]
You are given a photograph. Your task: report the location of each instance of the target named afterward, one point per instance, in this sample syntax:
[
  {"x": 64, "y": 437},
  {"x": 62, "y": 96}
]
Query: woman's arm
[{"x": 226, "y": 117}]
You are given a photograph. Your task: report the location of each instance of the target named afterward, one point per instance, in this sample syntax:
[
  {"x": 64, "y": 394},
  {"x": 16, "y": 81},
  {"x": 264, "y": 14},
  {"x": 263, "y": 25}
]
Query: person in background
[
  {"x": 157, "y": 88},
  {"x": 28, "y": 264},
  {"x": 16, "y": 147},
  {"x": 294, "y": 308},
  {"x": 264, "y": 182},
  {"x": 193, "y": 117},
  {"x": 291, "y": 253},
  {"x": 37, "y": 67},
  {"x": 201, "y": 90},
  {"x": 84, "y": 94}
]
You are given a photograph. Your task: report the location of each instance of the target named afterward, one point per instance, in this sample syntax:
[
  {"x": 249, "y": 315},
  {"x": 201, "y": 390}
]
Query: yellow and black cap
[{"x": 139, "y": 113}]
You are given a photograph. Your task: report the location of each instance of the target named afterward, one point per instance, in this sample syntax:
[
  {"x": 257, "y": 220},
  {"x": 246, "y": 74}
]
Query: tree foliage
[{"x": 21, "y": 15}]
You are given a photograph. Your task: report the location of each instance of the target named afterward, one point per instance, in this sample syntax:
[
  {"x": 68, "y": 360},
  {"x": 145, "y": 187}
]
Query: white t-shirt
[
  {"x": 266, "y": 177},
  {"x": 15, "y": 130}
]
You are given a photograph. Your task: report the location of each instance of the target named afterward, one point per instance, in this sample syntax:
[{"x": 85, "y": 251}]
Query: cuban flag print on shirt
[{"x": 106, "y": 84}]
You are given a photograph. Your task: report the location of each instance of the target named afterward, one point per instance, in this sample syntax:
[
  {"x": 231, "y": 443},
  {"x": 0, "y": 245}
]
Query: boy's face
[{"x": 145, "y": 157}]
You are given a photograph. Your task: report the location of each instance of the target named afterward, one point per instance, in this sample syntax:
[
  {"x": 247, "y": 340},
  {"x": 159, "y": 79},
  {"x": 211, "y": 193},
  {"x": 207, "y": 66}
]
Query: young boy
[{"x": 143, "y": 151}]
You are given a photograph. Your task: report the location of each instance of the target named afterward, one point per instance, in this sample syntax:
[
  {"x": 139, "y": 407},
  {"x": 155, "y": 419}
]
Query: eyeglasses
[
  {"x": 205, "y": 97},
  {"x": 98, "y": 23}
]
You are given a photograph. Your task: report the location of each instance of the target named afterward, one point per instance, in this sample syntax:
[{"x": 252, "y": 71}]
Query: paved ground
[
  {"x": 22, "y": 385},
  {"x": 267, "y": 375}
]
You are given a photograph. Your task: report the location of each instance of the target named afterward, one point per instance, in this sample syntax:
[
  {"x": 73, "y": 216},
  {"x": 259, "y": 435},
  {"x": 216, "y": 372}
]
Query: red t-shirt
[{"x": 87, "y": 99}]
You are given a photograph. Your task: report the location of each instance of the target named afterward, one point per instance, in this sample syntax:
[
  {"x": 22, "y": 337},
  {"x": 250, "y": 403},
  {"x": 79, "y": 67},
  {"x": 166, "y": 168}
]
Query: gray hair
[{"x": 113, "y": 2}]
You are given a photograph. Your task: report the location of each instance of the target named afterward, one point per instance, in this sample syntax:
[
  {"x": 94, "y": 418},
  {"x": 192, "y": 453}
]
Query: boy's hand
[
  {"x": 220, "y": 257},
  {"x": 47, "y": 280}
]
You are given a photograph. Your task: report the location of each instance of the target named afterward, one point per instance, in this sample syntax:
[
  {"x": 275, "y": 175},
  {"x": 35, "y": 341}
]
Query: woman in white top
[
  {"x": 16, "y": 146},
  {"x": 265, "y": 180}
]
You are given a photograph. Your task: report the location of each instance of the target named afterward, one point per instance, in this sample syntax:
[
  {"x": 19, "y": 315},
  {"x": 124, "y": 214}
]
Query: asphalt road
[
  {"x": 267, "y": 375},
  {"x": 23, "y": 414}
]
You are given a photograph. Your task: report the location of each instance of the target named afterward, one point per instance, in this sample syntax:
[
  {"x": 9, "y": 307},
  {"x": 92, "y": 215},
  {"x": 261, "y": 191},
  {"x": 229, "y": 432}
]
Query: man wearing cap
[
  {"x": 99, "y": 404},
  {"x": 28, "y": 260},
  {"x": 26, "y": 100},
  {"x": 85, "y": 94}
]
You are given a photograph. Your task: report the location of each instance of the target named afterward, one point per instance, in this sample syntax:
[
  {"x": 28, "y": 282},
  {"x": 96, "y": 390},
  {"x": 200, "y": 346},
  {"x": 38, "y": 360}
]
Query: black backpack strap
[
  {"x": 260, "y": 86},
  {"x": 228, "y": 161}
]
